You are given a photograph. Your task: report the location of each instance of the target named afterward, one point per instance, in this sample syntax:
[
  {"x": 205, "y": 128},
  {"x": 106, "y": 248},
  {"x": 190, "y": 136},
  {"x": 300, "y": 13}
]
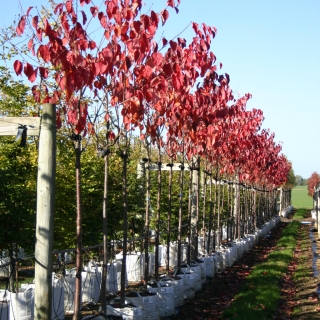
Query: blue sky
[{"x": 270, "y": 48}]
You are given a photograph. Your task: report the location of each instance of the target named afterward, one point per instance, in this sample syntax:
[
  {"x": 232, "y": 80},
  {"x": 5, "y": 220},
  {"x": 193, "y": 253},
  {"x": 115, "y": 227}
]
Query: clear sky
[{"x": 270, "y": 48}]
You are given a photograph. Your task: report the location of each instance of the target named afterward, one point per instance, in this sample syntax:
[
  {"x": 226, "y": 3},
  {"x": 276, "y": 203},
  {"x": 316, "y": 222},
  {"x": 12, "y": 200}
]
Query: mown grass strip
[{"x": 261, "y": 293}]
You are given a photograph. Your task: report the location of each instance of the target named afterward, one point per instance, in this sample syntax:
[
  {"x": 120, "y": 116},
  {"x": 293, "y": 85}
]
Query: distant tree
[
  {"x": 291, "y": 181},
  {"x": 300, "y": 181},
  {"x": 313, "y": 181}
]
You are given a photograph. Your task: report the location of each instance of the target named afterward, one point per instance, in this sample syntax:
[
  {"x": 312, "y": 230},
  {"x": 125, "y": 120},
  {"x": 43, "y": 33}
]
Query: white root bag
[
  {"x": 149, "y": 304},
  {"x": 4, "y": 271},
  {"x": 135, "y": 265},
  {"x": 69, "y": 291},
  {"x": 4, "y": 305},
  {"x": 112, "y": 280},
  {"x": 119, "y": 266},
  {"x": 90, "y": 284},
  {"x": 203, "y": 272},
  {"x": 209, "y": 266},
  {"x": 57, "y": 297},
  {"x": 21, "y": 305},
  {"x": 197, "y": 277},
  {"x": 188, "y": 285},
  {"x": 166, "y": 300},
  {"x": 177, "y": 285},
  {"x": 127, "y": 313}
]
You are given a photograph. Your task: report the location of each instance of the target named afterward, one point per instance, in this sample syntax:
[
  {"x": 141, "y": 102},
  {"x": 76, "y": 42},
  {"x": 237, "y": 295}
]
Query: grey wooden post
[{"x": 45, "y": 210}]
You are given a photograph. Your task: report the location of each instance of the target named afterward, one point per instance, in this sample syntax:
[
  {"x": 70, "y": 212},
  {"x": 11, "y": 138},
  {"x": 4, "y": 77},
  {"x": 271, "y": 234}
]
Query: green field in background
[{"x": 300, "y": 198}]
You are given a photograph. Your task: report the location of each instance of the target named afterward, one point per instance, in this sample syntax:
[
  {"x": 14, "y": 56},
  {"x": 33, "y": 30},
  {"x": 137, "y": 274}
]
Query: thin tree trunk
[
  {"x": 77, "y": 302},
  {"x": 180, "y": 214},
  {"x": 189, "y": 215},
  {"x": 105, "y": 236},
  {"x": 169, "y": 220},
  {"x": 146, "y": 225},
  {"x": 204, "y": 212},
  {"x": 124, "y": 157},
  {"x": 158, "y": 217},
  {"x": 210, "y": 214}
]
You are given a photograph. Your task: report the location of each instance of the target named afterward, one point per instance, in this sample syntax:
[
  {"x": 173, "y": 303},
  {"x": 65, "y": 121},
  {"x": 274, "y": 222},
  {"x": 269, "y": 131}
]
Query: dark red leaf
[
  {"x": 69, "y": 6},
  {"x": 21, "y": 26},
  {"x": 58, "y": 9},
  {"x": 173, "y": 45},
  {"x": 84, "y": 17},
  {"x": 103, "y": 19},
  {"x": 44, "y": 53},
  {"x": 30, "y": 72},
  {"x": 170, "y": 3},
  {"x": 164, "y": 16},
  {"x": 43, "y": 72},
  {"x": 94, "y": 11},
  {"x": 28, "y": 11},
  {"x": 17, "y": 67},
  {"x": 164, "y": 41},
  {"x": 35, "y": 21}
]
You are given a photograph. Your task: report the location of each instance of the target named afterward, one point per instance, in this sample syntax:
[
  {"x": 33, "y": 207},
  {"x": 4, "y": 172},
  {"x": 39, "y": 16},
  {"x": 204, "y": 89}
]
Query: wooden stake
[{"x": 45, "y": 210}]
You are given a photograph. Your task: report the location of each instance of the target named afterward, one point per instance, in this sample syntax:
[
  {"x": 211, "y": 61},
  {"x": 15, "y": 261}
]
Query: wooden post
[{"x": 45, "y": 210}]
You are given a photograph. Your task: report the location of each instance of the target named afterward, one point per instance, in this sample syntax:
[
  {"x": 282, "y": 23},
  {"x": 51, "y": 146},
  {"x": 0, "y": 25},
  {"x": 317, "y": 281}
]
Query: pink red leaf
[
  {"x": 94, "y": 11},
  {"x": 173, "y": 45},
  {"x": 21, "y": 26},
  {"x": 30, "y": 45},
  {"x": 28, "y": 11},
  {"x": 195, "y": 27},
  {"x": 103, "y": 19},
  {"x": 44, "y": 53},
  {"x": 30, "y": 72},
  {"x": 35, "y": 21},
  {"x": 164, "y": 16},
  {"x": 58, "y": 9},
  {"x": 69, "y": 6},
  {"x": 157, "y": 58},
  {"x": 17, "y": 67}
]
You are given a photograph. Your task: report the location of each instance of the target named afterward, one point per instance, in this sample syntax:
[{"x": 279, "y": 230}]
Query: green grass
[
  {"x": 300, "y": 198},
  {"x": 301, "y": 214},
  {"x": 261, "y": 293}
]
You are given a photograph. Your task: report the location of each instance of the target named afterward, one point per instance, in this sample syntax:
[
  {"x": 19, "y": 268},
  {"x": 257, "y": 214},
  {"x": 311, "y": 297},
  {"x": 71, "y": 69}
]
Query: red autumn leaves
[{"x": 176, "y": 87}]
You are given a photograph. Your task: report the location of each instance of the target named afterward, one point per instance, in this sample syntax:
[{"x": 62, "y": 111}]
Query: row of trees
[{"x": 123, "y": 96}]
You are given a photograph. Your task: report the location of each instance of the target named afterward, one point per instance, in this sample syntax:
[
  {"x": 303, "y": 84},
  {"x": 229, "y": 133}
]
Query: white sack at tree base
[
  {"x": 135, "y": 266},
  {"x": 195, "y": 267},
  {"x": 149, "y": 303},
  {"x": 209, "y": 266},
  {"x": 57, "y": 297},
  {"x": 178, "y": 287},
  {"x": 69, "y": 291},
  {"x": 90, "y": 283},
  {"x": 21, "y": 305},
  {"x": 127, "y": 313},
  {"x": 162, "y": 255},
  {"x": 119, "y": 270},
  {"x": 4, "y": 304},
  {"x": 203, "y": 270},
  {"x": 112, "y": 280},
  {"x": 188, "y": 283},
  {"x": 4, "y": 271},
  {"x": 166, "y": 300}
]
